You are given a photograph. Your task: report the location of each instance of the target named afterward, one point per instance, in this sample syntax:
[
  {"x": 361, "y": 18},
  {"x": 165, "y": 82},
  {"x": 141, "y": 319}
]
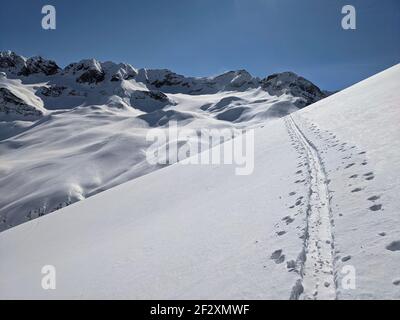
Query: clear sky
[{"x": 207, "y": 37}]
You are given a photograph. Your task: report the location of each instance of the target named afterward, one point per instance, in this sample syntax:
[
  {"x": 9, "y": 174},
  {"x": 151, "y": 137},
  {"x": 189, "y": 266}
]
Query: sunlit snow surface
[
  {"x": 202, "y": 231},
  {"x": 67, "y": 136}
]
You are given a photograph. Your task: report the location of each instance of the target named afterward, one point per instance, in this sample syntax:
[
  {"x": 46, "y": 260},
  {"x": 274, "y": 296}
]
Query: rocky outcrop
[
  {"x": 92, "y": 71},
  {"x": 10, "y": 61},
  {"x": 149, "y": 101},
  {"x": 86, "y": 71},
  {"x": 16, "y": 65},
  {"x": 290, "y": 83},
  {"x": 52, "y": 91},
  {"x": 39, "y": 65},
  {"x": 11, "y": 104},
  {"x": 119, "y": 72},
  {"x": 170, "y": 82}
]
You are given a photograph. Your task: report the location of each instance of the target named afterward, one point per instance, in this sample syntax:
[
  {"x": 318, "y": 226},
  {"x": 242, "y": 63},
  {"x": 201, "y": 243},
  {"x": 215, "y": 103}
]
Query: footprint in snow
[
  {"x": 375, "y": 207},
  {"x": 393, "y": 246},
  {"x": 396, "y": 282},
  {"x": 288, "y": 219},
  {"x": 346, "y": 258},
  {"x": 278, "y": 257},
  {"x": 291, "y": 265},
  {"x": 373, "y": 198}
]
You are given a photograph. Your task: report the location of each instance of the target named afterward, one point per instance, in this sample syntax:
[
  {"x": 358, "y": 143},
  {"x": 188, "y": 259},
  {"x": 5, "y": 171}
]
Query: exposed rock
[
  {"x": 91, "y": 76},
  {"x": 86, "y": 71},
  {"x": 149, "y": 101},
  {"x": 170, "y": 82},
  {"x": 10, "y": 104},
  {"x": 39, "y": 65},
  {"x": 290, "y": 83},
  {"x": 11, "y": 62},
  {"x": 52, "y": 91},
  {"x": 119, "y": 72}
]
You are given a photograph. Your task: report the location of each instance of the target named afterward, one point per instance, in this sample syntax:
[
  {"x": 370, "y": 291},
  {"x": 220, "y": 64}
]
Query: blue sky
[{"x": 207, "y": 37}]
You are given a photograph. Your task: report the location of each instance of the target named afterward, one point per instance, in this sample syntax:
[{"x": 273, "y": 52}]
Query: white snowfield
[
  {"x": 68, "y": 134},
  {"x": 318, "y": 218}
]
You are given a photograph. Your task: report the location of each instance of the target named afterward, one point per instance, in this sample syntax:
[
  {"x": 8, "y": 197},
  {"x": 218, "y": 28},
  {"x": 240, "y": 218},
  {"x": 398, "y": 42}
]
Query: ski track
[{"x": 317, "y": 271}]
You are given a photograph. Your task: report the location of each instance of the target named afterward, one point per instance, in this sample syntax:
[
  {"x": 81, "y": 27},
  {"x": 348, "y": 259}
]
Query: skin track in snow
[{"x": 317, "y": 272}]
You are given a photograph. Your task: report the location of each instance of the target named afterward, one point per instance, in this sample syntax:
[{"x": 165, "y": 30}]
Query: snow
[
  {"x": 202, "y": 232},
  {"x": 82, "y": 129},
  {"x": 370, "y": 124}
]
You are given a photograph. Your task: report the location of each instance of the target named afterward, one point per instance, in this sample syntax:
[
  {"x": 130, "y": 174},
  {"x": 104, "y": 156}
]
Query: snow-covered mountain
[
  {"x": 318, "y": 219},
  {"x": 69, "y": 133}
]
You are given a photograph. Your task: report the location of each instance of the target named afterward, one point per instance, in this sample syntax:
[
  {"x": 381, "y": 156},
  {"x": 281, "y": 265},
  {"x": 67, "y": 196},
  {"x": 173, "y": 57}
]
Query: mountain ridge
[
  {"x": 92, "y": 117},
  {"x": 93, "y": 71}
]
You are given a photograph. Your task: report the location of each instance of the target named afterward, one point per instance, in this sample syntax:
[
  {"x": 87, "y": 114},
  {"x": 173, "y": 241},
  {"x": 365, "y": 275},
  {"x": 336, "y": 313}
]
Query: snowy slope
[
  {"x": 323, "y": 196},
  {"x": 67, "y": 134}
]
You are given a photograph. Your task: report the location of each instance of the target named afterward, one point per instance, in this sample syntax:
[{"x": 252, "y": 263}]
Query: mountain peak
[
  {"x": 93, "y": 72},
  {"x": 12, "y": 63},
  {"x": 10, "y": 60},
  {"x": 290, "y": 83}
]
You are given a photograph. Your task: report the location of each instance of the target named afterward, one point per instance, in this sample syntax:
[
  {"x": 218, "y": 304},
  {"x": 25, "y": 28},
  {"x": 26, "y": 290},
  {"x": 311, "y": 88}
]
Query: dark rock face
[
  {"x": 15, "y": 64},
  {"x": 10, "y": 60},
  {"x": 39, "y": 65},
  {"x": 149, "y": 101},
  {"x": 235, "y": 79},
  {"x": 156, "y": 95},
  {"x": 52, "y": 91},
  {"x": 170, "y": 82},
  {"x": 170, "y": 79},
  {"x": 11, "y": 104},
  {"x": 6, "y": 62},
  {"x": 6, "y": 96},
  {"x": 87, "y": 71},
  {"x": 119, "y": 77},
  {"x": 91, "y": 76},
  {"x": 290, "y": 83},
  {"x": 115, "y": 77},
  {"x": 123, "y": 75}
]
